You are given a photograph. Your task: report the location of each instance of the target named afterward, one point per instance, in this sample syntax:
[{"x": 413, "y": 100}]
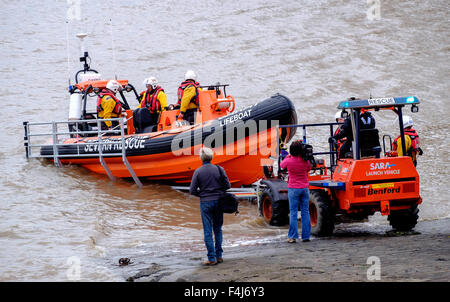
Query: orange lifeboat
[{"x": 242, "y": 140}]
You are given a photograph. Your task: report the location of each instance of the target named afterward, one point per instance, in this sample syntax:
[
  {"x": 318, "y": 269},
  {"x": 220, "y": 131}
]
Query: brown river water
[{"x": 315, "y": 52}]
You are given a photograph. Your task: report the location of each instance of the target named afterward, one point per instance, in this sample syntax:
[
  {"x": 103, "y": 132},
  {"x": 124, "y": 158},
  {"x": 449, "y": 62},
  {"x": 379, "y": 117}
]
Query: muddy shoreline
[{"x": 420, "y": 255}]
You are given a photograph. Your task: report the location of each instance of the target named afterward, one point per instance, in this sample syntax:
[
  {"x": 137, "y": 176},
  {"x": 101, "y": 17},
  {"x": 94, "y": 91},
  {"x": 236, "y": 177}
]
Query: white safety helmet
[
  {"x": 338, "y": 115},
  {"x": 113, "y": 85},
  {"x": 190, "y": 75},
  {"x": 151, "y": 81},
  {"x": 407, "y": 121}
]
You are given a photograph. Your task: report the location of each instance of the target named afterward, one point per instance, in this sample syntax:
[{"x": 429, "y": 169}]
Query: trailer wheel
[
  {"x": 404, "y": 220},
  {"x": 321, "y": 213},
  {"x": 274, "y": 212}
]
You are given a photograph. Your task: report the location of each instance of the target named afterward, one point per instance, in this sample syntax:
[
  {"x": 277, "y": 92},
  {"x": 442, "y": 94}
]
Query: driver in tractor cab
[
  {"x": 188, "y": 99},
  {"x": 108, "y": 106},
  {"x": 339, "y": 142},
  {"x": 366, "y": 121},
  {"x": 411, "y": 141},
  {"x": 153, "y": 101}
]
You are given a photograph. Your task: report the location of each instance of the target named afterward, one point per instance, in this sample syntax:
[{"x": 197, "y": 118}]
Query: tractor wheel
[
  {"x": 274, "y": 212},
  {"x": 404, "y": 220},
  {"x": 321, "y": 213}
]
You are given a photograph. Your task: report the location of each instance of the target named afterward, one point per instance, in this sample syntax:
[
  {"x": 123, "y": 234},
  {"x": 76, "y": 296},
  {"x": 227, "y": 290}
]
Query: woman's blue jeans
[
  {"x": 296, "y": 196},
  {"x": 212, "y": 219}
]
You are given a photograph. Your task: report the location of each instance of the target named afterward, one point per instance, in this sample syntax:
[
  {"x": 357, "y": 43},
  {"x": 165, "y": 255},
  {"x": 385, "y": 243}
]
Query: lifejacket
[
  {"x": 150, "y": 101},
  {"x": 117, "y": 109},
  {"x": 414, "y": 149},
  {"x": 366, "y": 121},
  {"x": 339, "y": 142},
  {"x": 414, "y": 138},
  {"x": 183, "y": 86}
]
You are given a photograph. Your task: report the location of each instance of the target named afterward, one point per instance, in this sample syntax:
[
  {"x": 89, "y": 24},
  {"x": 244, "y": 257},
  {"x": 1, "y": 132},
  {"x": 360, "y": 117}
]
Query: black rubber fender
[{"x": 278, "y": 187}]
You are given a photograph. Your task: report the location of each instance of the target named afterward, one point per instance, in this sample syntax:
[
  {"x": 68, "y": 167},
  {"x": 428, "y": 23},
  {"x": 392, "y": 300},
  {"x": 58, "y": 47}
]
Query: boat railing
[{"x": 51, "y": 134}]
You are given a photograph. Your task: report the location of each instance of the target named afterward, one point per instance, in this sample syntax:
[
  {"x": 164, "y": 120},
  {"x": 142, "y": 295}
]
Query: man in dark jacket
[
  {"x": 209, "y": 182},
  {"x": 366, "y": 121}
]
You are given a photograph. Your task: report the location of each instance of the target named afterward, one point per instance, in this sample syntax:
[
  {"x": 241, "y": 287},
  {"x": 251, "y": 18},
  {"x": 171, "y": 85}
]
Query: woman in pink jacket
[{"x": 297, "y": 191}]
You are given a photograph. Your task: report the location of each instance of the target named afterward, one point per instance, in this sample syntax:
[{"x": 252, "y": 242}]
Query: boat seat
[
  {"x": 143, "y": 120},
  {"x": 370, "y": 143}
]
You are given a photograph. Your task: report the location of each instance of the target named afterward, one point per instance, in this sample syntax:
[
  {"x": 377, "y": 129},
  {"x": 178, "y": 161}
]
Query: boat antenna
[
  {"x": 68, "y": 51},
  {"x": 84, "y": 53},
  {"x": 73, "y": 13},
  {"x": 81, "y": 36},
  {"x": 113, "y": 49}
]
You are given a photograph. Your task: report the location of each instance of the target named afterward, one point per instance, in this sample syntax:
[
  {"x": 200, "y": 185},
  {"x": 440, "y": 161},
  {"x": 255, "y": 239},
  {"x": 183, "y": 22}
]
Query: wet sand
[{"x": 420, "y": 255}]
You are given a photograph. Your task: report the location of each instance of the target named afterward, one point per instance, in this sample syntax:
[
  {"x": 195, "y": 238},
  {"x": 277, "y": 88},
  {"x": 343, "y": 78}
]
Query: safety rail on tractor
[
  {"x": 273, "y": 186},
  {"x": 53, "y": 136},
  {"x": 331, "y": 152}
]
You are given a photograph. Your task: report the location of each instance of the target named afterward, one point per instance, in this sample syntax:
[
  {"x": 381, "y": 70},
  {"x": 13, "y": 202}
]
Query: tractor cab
[{"x": 366, "y": 142}]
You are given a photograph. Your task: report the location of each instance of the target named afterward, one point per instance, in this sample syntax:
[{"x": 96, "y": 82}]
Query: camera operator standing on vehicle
[{"x": 298, "y": 164}]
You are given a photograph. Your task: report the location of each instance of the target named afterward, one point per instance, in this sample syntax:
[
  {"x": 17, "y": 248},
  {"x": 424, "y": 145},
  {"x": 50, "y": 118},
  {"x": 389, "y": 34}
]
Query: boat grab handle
[{"x": 224, "y": 103}]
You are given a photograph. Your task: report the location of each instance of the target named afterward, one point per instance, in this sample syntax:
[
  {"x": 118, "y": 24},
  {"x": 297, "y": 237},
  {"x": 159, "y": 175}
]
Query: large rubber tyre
[
  {"x": 321, "y": 213},
  {"x": 404, "y": 220},
  {"x": 274, "y": 212}
]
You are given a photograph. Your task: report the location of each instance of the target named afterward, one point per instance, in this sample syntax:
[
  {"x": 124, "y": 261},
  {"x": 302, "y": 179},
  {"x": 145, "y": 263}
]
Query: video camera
[{"x": 307, "y": 154}]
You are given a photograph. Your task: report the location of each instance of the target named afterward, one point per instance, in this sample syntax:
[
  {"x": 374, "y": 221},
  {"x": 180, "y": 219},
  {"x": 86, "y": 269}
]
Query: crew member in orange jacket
[
  {"x": 108, "y": 106},
  {"x": 411, "y": 141},
  {"x": 153, "y": 101},
  {"x": 154, "y": 98},
  {"x": 188, "y": 98},
  {"x": 339, "y": 142}
]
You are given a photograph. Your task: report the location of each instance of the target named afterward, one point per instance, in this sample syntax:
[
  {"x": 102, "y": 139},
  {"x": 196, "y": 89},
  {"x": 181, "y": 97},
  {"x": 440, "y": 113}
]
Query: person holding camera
[{"x": 298, "y": 166}]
